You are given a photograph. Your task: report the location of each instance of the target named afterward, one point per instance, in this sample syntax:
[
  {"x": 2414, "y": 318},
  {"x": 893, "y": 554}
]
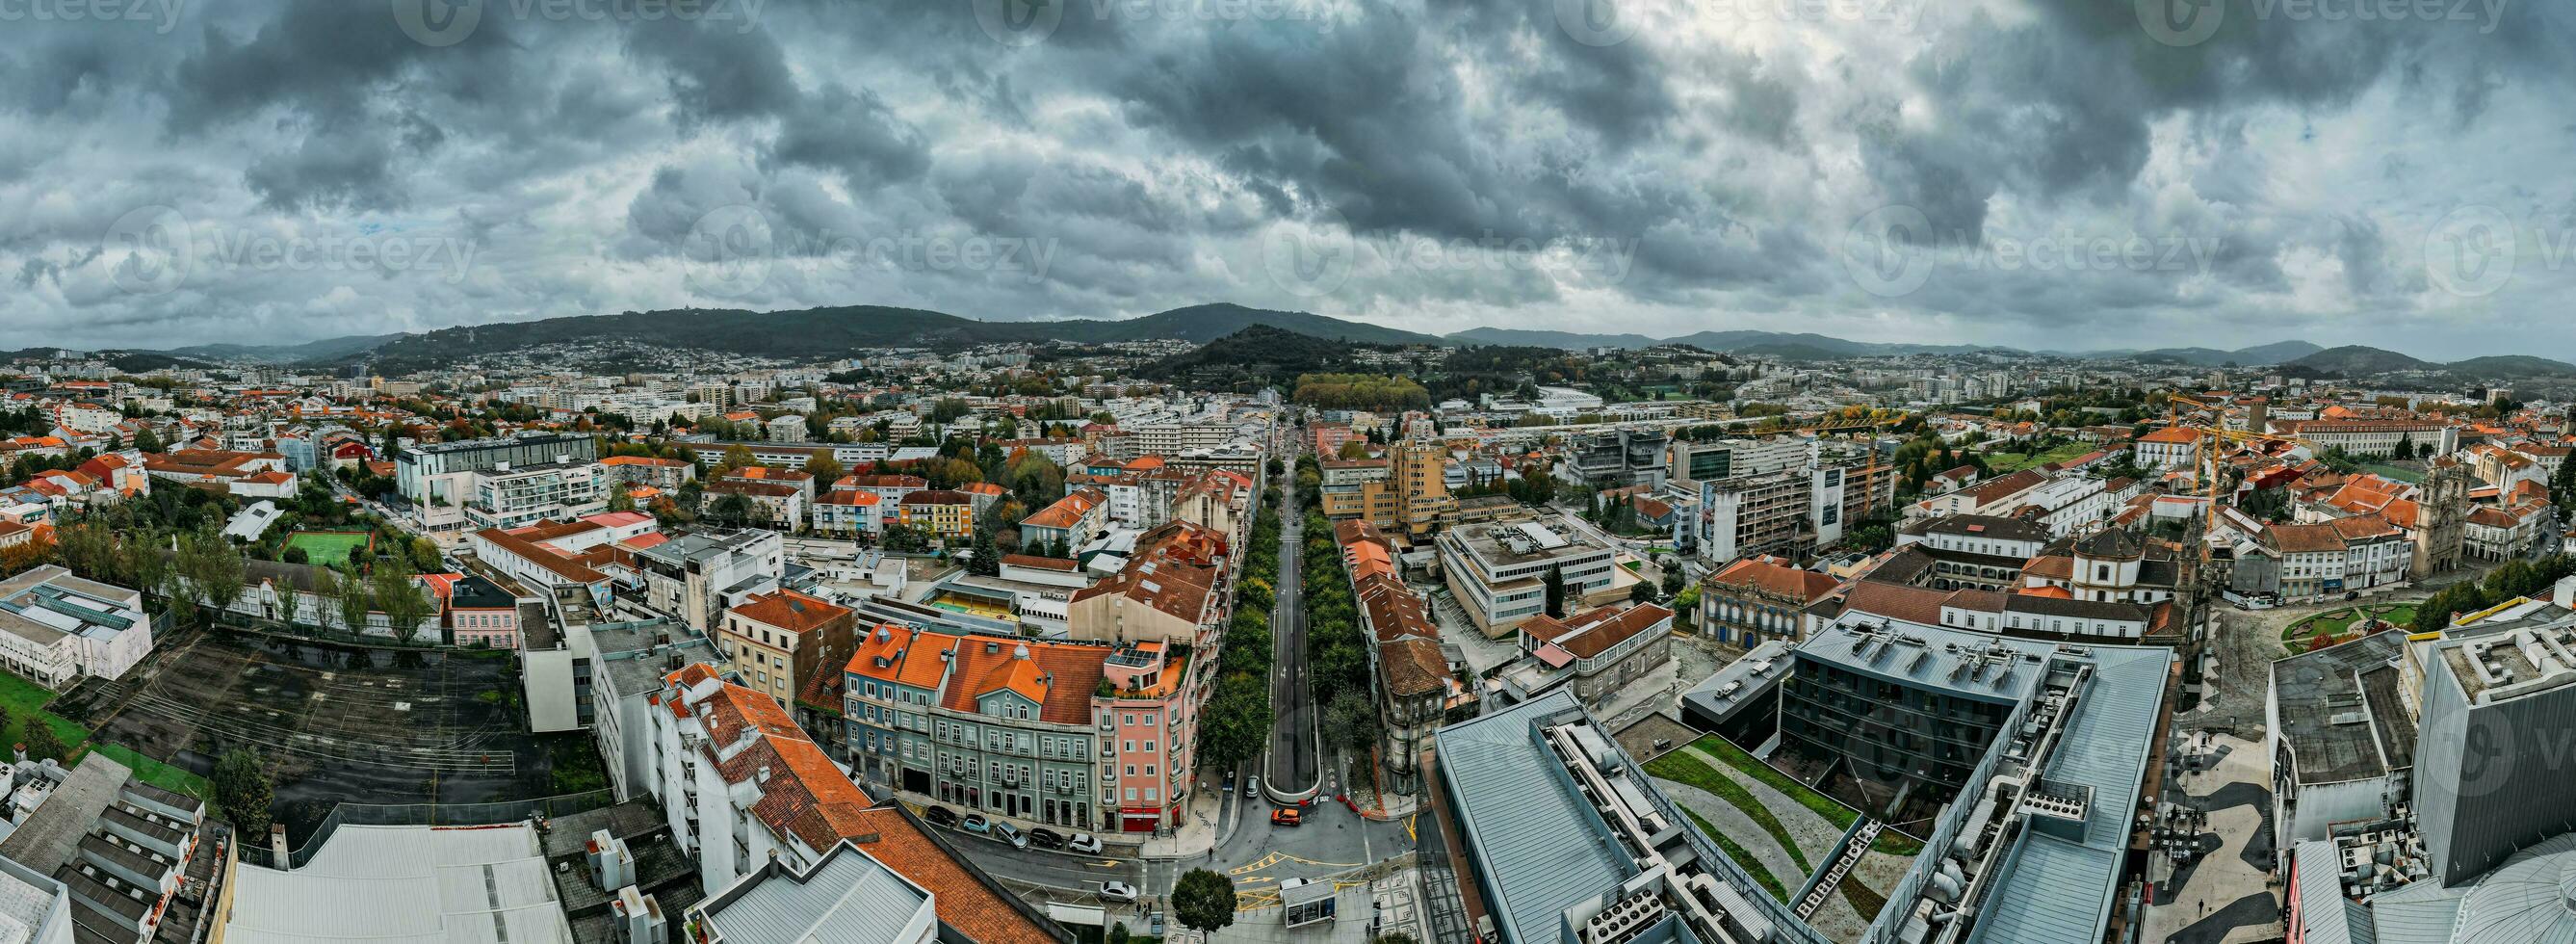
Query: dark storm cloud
[{"x": 1158, "y": 145}]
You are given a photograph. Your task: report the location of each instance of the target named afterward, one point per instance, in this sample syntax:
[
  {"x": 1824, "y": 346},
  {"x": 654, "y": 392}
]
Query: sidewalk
[{"x": 1197, "y": 833}]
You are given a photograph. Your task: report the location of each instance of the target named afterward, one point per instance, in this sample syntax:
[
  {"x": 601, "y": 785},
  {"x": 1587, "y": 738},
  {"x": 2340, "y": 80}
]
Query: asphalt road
[{"x": 1291, "y": 769}]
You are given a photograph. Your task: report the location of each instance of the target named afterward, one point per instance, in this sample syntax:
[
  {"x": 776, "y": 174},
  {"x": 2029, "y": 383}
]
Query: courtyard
[
  {"x": 335, "y": 724},
  {"x": 1781, "y": 831}
]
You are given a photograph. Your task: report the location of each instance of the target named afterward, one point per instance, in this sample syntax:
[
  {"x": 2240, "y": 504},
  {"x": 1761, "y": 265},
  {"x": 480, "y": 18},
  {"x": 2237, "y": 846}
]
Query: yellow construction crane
[{"x": 2205, "y": 456}]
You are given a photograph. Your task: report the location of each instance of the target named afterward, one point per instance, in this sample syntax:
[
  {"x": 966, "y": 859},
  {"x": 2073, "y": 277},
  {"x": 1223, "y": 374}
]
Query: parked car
[
  {"x": 976, "y": 823},
  {"x": 940, "y": 816},
  {"x": 1287, "y": 816},
  {"x": 1045, "y": 838},
  {"x": 1010, "y": 834},
  {"x": 1084, "y": 843},
  {"x": 1251, "y": 788},
  {"x": 1118, "y": 892}
]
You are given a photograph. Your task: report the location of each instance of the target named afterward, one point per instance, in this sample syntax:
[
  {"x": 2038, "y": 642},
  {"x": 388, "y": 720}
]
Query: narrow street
[{"x": 1291, "y": 770}]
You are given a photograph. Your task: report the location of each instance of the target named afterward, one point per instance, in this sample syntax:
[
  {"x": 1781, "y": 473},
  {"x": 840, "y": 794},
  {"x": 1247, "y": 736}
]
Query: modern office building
[
  {"x": 696, "y": 575},
  {"x": 1498, "y": 572},
  {"x": 513, "y": 496},
  {"x": 437, "y": 478},
  {"x": 1559, "y": 837},
  {"x": 2495, "y": 706}
]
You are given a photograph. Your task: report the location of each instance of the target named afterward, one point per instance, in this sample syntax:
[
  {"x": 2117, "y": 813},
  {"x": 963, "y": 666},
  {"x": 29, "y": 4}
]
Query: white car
[
  {"x": 1118, "y": 892},
  {"x": 1084, "y": 843}
]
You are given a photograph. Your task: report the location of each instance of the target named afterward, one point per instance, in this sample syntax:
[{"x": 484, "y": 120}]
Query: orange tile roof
[
  {"x": 1766, "y": 573},
  {"x": 791, "y": 611},
  {"x": 967, "y": 901}
]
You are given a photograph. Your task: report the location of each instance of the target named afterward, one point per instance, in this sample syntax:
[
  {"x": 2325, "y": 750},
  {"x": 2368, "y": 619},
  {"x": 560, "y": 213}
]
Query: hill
[
  {"x": 2356, "y": 359},
  {"x": 327, "y": 349},
  {"x": 2274, "y": 353},
  {"x": 2512, "y": 365},
  {"x": 819, "y": 333},
  {"x": 1255, "y": 357},
  {"x": 2277, "y": 352},
  {"x": 1564, "y": 340}
]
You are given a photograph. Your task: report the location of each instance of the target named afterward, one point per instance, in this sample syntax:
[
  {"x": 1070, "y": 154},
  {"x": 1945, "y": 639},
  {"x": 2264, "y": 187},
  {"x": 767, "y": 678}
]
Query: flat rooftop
[
  {"x": 1980, "y": 666},
  {"x": 2340, "y": 712}
]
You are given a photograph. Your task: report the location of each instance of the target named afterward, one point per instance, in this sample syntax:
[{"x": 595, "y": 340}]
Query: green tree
[
  {"x": 404, "y": 604},
  {"x": 424, "y": 556},
  {"x": 290, "y": 604},
  {"x": 242, "y": 791},
  {"x": 42, "y": 742},
  {"x": 732, "y": 511},
  {"x": 213, "y": 570},
  {"x": 1237, "y": 720},
  {"x": 353, "y": 601},
  {"x": 1641, "y": 592},
  {"x": 1556, "y": 591},
  {"x": 1350, "y": 721},
  {"x": 987, "y": 561},
  {"x": 1203, "y": 900}
]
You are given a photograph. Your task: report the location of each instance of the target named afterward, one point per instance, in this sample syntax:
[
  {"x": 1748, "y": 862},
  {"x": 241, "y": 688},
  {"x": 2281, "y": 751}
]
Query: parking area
[{"x": 334, "y": 724}]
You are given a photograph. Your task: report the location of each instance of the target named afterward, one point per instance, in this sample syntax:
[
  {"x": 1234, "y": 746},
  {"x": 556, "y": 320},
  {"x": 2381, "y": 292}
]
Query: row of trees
[
  {"x": 2517, "y": 578},
  {"x": 1337, "y": 660},
  {"x": 1237, "y": 720}
]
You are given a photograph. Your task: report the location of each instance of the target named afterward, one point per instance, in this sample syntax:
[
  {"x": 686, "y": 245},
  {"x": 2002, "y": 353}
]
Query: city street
[{"x": 1291, "y": 769}]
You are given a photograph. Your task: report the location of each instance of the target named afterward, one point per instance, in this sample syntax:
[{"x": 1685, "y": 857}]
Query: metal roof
[
  {"x": 2319, "y": 872},
  {"x": 848, "y": 898},
  {"x": 1540, "y": 846},
  {"x": 414, "y": 884},
  {"x": 2056, "y": 891}
]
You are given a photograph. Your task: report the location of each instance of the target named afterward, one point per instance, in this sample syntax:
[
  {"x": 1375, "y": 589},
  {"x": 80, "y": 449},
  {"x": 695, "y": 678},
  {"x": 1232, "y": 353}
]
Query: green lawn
[
  {"x": 330, "y": 548},
  {"x": 1683, "y": 768},
  {"x": 2399, "y": 473},
  {"x": 2335, "y": 622},
  {"x": 1752, "y": 866},
  {"x": 26, "y": 700},
  {"x": 2006, "y": 463},
  {"x": 157, "y": 773},
  {"x": 1832, "y": 810}
]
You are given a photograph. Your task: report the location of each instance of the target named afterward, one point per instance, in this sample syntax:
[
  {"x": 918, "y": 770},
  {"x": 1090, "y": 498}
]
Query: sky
[{"x": 2059, "y": 174}]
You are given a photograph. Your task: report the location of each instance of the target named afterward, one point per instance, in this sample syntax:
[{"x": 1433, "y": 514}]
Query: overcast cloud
[{"x": 2053, "y": 173}]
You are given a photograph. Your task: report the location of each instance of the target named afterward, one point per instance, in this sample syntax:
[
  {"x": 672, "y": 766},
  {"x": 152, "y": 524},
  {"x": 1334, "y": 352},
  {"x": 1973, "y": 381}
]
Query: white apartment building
[
  {"x": 1498, "y": 572},
  {"x": 56, "y": 628},
  {"x": 508, "y": 496}
]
